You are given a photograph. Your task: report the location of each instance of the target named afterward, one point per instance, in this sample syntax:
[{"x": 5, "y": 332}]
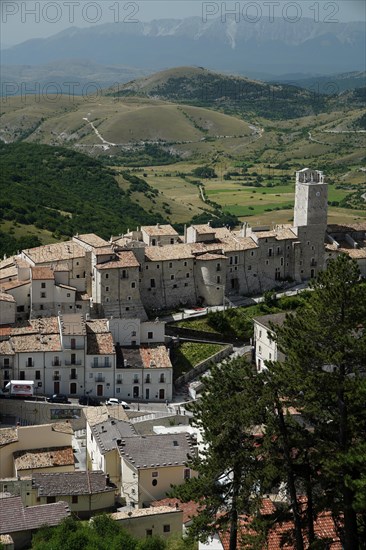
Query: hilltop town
[{"x": 83, "y": 319}]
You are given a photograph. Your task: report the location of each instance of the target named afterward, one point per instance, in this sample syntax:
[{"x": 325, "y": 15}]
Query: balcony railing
[
  {"x": 56, "y": 363},
  {"x": 147, "y": 381},
  {"x": 73, "y": 376},
  {"x": 56, "y": 377},
  {"x": 100, "y": 366},
  {"x": 29, "y": 364},
  {"x": 99, "y": 379},
  {"x": 76, "y": 362},
  {"x": 67, "y": 345}
]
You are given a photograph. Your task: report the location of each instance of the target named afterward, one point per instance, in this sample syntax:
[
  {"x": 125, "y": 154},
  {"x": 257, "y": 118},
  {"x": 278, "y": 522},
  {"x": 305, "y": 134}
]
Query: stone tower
[{"x": 311, "y": 199}]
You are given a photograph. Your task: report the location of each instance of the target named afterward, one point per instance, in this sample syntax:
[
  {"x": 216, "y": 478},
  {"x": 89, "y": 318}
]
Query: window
[
  {"x": 20, "y": 309},
  {"x": 218, "y": 267},
  {"x": 43, "y": 295},
  {"x": 73, "y": 343},
  {"x": 157, "y": 266},
  {"x": 38, "y": 375},
  {"x": 172, "y": 277},
  {"x": 51, "y": 500},
  {"x": 162, "y": 379},
  {"x": 154, "y": 482},
  {"x": 74, "y": 499},
  {"x": 107, "y": 275},
  {"x": 133, "y": 333},
  {"x": 152, "y": 283},
  {"x": 171, "y": 241},
  {"x": 166, "y": 529},
  {"x": 187, "y": 473},
  {"x": 68, "y": 295},
  {"x": 153, "y": 242},
  {"x": 185, "y": 284},
  {"x": 154, "y": 474},
  {"x": 6, "y": 361},
  {"x": 133, "y": 285},
  {"x": 266, "y": 262},
  {"x": 270, "y": 252},
  {"x": 175, "y": 286},
  {"x": 22, "y": 375},
  {"x": 218, "y": 279},
  {"x": 235, "y": 259},
  {"x": 249, "y": 267},
  {"x": 148, "y": 532},
  {"x": 252, "y": 253},
  {"x": 150, "y": 335},
  {"x": 43, "y": 285},
  {"x": 170, "y": 264},
  {"x": 107, "y": 288},
  {"x": 29, "y": 362},
  {"x": 187, "y": 275},
  {"x": 185, "y": 264},
  {"x": 124, "y": 274}
]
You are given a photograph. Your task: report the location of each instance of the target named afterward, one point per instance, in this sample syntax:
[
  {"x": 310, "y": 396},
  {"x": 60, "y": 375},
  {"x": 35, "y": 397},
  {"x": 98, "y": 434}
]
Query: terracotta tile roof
[
  {"x": 8, "y": 272},
  {"x": 43, "y": 458},
  {"x": 126, "y": 259},
  {"x": 36, "y": 342},
  {"x": 155, "y": 357},
  {"x": 61, "y": 267},
  {"x": 70, "y": 483},
  {"x": 56, "y": 252},
  {"x": 100, "y": 344},
  {"x": 42, "y": 273},
  {"x": 104, "y": 251},
  {"x": 5, "y": 330},
  {"x": 189, "y": 509},
  {"x": 159, "y": 230},
  {"x": 4, "y": 297},
  {"x": 7, "y": 262},
  {"x": 323, "y": 526},
  {"x": 168, "y": 252},
  {"x": 63, "y": 427},
  {"x": 13, "y": 284},
  {"x": 92, "y": 239},
  {"x": 6, "y": 348},
  {"x": 104, "y": 413},
  {"x": 204, "y": 229},
  {"x": 15, "y": 517},
  {"x": 8, "y": 435},
  {"x": 157, "y": 451},
  {"x": 351, "y": 227},
  {"x": 98, "y": 326}
]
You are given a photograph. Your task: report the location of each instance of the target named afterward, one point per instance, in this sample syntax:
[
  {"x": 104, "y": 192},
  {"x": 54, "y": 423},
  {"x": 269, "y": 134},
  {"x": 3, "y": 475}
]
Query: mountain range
[{"x": 268, "y": 46}]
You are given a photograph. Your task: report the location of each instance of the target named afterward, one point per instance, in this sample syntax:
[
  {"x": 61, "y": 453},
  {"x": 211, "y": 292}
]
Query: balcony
[
  {"x": 73, "y": 376},
  {"x": 29, "y": 364},
  {"x": 56, "y": 377},
  {"x": 56, "y": 363},
  {"x": 147, "y": 381},
  {"x": 76, "y": 362},
  {"x": 99, "y": 378},
  {"x": 100, "y": 366},
  {"x": 119, "y": 381},
  {"x": 136, "y": 381}
]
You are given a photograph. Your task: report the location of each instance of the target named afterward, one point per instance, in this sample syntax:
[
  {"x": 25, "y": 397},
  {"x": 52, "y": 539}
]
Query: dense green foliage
[
  {"x": 204, "y": 172},
  {"x": 63, "y": 191},
  {"x": 103, "y": 533},
  {"x": 308, "y": 414}
]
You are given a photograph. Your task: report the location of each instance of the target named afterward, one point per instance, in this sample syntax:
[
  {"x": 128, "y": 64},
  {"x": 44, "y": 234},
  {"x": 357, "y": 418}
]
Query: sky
[{"x": 24, "y": 19}]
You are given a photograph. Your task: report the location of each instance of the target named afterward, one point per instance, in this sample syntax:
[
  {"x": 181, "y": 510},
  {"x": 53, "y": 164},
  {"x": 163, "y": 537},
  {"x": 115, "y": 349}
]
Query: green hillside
[{"x": 62, "y": 192}]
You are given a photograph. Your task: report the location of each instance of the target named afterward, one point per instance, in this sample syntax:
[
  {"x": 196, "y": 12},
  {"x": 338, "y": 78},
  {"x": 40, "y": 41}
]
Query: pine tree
[
  {"x": 323, "y": 377},
  {"x": 229, "y": 467}
]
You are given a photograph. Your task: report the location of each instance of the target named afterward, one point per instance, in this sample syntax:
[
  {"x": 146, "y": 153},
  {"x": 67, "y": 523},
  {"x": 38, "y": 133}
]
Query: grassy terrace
[{"x": 189, "y": 354}]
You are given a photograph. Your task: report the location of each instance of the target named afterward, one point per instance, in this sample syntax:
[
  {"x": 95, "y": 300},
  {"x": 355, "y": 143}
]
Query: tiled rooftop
[
  {"x": 126, "y": 259},
  {"x": 8, "y": 272},
  {"x": 168, "y": 252},
  {"x": 36, "y": 342},
  {"x": 70, "y": 483},
  {"x": 155, "y": 357},
  {"x": 6, "y": 348},
  {"x": 275, "y": 318},
  {"x": 107, "y": 432},
  {"x": 42, "y": 273},
  {"x": 189, "y": 509},
  {"x": 153, "y": 451},
  {"x": 100, "y": 344},
  {"x": 159, "y": 230},
  {"x": 15, "y": 517},
  {"x": 57, "y": 252},
  {"x": 43, "y": 458},
  {"x": 204, "y": 229},
  {"x": 13, "y": 284},
  {"x": 92, "y": 239}
]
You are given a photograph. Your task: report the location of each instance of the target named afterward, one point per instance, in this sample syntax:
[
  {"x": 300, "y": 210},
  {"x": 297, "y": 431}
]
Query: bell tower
[{"x": 311, "y": 199}]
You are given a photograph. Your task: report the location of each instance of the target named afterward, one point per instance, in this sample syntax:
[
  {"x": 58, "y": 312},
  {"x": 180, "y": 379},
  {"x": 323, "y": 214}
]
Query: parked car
[
  {"x": 58, "y": 398},
  {"x": 115, "y": 401},
  {"x": 88, "y": 400}
]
